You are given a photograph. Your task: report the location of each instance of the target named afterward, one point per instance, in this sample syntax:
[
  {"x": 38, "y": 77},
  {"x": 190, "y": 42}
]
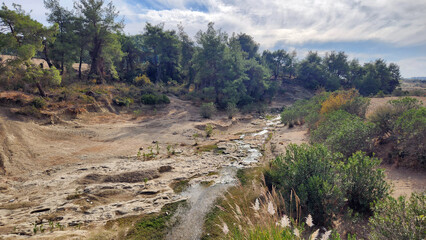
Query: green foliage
[
  {"x": 323, "y": 181},
  {"x": 231, "y": 110},
  {"x": 209, "y": 130},
  {"x": 405, "y": 103},
  {"x": 410, "y": 129},
  {"x": 312, "y": 172},
  {"x": 304, "y": 110},
  {"x": 122, "y": 101},
  {"x": 39, "y": 103},
  {"x": 99, "y": 24},
  {"x": 208, "y": 110},
  {"x": 363, "y": 183},
  {"x": 399, "y": 218},
  {"x": 343, "y": 132},
  {"x": 154, "y": 226},
  {"x": 153, "y": 99}
]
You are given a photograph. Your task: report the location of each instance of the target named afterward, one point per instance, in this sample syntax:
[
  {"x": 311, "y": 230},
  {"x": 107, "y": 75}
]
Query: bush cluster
[
  {"x": 208, "y": 110},
  {"x": 154, "y": 98},
  {"x": 399, "y": 218},
  {"x": 304, "y": 110},
  {"x": 402, "y": 124},
  {"x": 343, "y": 132},
  {"x": 323, "y": 179}
]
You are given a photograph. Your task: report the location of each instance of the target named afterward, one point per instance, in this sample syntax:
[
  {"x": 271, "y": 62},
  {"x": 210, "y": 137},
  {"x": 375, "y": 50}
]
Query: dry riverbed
[{"x": 82, "y": 173}]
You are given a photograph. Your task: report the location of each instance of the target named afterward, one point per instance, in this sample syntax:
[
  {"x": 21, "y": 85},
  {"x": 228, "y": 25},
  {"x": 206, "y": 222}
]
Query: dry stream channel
[{"x": 200, "y": 198}]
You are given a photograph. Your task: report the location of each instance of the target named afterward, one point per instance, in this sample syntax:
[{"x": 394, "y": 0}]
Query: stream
[{"x": 200, "y": 198}]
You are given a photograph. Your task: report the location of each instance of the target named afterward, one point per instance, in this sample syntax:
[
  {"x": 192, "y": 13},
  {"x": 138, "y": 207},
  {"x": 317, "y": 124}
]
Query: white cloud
[{"x": 412, "y": 67}]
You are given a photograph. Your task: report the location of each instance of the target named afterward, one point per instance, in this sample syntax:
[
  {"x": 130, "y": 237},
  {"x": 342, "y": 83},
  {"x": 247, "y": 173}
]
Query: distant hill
[{"x": 417, "y": 78}]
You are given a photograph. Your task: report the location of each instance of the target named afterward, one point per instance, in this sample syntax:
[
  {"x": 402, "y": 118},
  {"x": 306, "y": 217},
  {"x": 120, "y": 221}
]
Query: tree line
[{"x": 220, "y": 68}]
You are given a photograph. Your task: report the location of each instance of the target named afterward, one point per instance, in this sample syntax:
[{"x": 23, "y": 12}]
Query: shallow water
[{"x": 201, "y": 198}]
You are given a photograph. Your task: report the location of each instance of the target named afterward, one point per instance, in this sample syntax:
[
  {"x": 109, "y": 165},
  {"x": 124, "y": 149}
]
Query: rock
[
  {"x": 73, "y": 224},
  {"x": 148, "y": 192},
  {"x": 138, "y": 209},
  {"x": 120, "y": 213},
  {"x": 40, "y": 210},
  {"x": 166, "y": 168}
]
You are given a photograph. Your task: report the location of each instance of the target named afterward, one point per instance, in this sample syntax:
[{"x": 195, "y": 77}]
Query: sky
[{"x": 394, "y": 30}]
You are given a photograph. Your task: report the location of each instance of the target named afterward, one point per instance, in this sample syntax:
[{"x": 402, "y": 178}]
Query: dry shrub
[{"x": 337, "y": 100}]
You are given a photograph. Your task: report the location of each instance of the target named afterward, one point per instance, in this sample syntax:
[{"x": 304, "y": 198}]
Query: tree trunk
[
  {"x": 97, "y": 64},
  {"x": 46, "y": 57},
  {"x": 81, "y": 61},
  {"x": 40, "y": 89}
]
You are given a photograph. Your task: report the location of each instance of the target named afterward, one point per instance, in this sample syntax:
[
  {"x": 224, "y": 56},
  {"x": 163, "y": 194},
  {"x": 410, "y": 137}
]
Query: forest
[{"x": 227, "y": 70}]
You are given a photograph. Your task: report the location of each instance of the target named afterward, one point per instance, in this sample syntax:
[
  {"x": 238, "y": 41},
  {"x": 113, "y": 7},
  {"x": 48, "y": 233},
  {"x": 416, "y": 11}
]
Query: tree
[
  {"x": 24, "y": 37},
  {"x": 187, "y": 51},
  {"x": 100, "y": 24},
  {"x": 163, "y": 48},
  {"x": 247, "y": 43},
  {"x": 20, "y": 34},
  {"x": 311, "y": 72},
  {"x": 64, "y": 51},
  {"x": 337, "y": 66}
]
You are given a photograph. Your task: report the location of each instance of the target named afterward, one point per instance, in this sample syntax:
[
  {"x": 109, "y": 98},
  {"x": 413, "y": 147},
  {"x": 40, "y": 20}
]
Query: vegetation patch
[
  {"x": 150, "y": 226},
  {"x": 154, "y": 98},
  {"x": 180, "y": 186}
]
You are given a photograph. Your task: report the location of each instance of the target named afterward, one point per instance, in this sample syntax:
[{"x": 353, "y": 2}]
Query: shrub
[
  {"x": 400, "y": 219},
  {"x": 39, "y": 103},
  {"x": 209, "y": 130},
  {"x": 380, "y": 94},
  {"x": 153, "y": 99},
  {"x": 404, "y": 104},
  {"x": 363, "y": 183},
  {"x": 399, "y": 92},
  {"x": 343, "y": 132},
  {"x": 303, "y": 110},
  {"x": 207, "y": 110},
  {"x": 383, "y": 118},
  {"x": 122, "y": 101},
  {"x": 142, "y": 80},
  {"x": 231, "y": 110},
  {"x": 410, "y": 129},
  {"x": 349, "y": 101},
  {"x": 312, "y": 172}
]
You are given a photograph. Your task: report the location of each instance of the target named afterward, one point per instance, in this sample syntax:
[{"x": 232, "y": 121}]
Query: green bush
[
  {"x": 312, "y": 172},
  {"x": 383, "y": 118},
  {"x": 406, "y": 103},
  {"x": 363, "y": 183},
  {"x": 207, "y": 110},
  {"x": 303, "y": 110},
  {"x": 343, "y": 132},
  {"x": 380, "y": 94},
  {"x": 358, "y": 106},
  {"x": 231, "y": 110},
  {"x": 153, "y": 99},
  {"x": 399, "y": 218},
  {"x": 410, "y": 129},
  {"x": 122, "y": 101},
  {"x": 39, "y": 102}
]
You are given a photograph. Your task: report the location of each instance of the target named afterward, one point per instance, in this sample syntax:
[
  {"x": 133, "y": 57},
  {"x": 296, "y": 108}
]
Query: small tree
[{"x": 207, "y": 110}]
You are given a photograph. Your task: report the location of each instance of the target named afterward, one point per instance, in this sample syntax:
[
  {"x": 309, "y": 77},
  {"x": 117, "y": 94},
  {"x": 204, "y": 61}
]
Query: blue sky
[{"x": 394, "y": 30}]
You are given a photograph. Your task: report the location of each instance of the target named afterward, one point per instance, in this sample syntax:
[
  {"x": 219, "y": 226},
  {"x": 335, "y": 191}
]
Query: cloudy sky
[{"x": 394, "y": 30}]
